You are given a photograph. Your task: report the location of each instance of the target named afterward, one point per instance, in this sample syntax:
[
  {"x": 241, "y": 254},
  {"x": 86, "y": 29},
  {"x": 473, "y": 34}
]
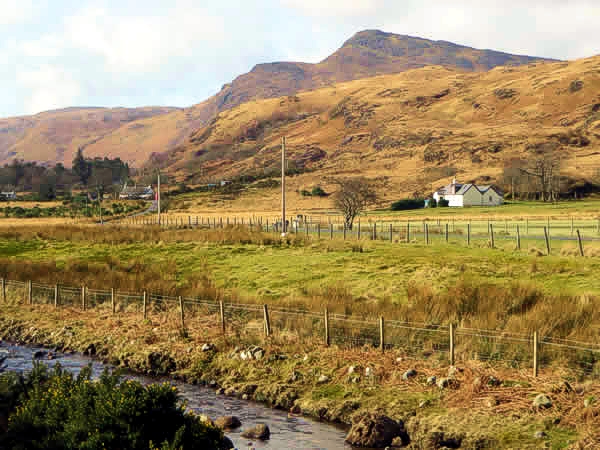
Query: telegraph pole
[
  {"x": 158, "y": 197},
  {"x": 283, "y": 227}
]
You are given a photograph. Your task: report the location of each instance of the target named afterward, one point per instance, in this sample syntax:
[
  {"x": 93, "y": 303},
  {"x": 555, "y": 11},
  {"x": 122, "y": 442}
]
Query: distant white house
[
  {"x": 9, "y": 195},
  {"x": 137, "y": 193},
  {"x": 460, "y": 195}
]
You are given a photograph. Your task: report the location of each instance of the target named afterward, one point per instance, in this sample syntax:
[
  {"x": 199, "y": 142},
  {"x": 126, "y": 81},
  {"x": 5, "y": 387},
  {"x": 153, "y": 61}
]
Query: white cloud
[
  {"x": 141, "y": 43},
  {"x": 15, "y": 11},
  {"x": 47, "y": 87},
  {"x": 338, "y": 8}
]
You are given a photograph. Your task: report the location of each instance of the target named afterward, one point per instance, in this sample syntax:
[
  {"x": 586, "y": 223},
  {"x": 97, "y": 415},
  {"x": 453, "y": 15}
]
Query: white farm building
[{"x": 459, "y": 195}]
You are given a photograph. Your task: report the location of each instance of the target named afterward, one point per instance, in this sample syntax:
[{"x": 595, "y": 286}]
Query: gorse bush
[
  {"x": 408, "y": 203},
  {"x": 56, "y": 410}
]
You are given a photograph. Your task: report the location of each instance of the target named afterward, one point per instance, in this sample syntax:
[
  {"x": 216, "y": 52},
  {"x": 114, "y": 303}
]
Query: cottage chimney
[{"x": 453, "y": 186}]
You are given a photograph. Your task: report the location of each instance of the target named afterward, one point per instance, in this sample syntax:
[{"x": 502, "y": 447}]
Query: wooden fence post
[
  {"x": 330, "y": 231},
  {"x": 344, "y": 231},
  {"x": 547, "y": 239},
  {"x": 426, "y": 233},
  {"x": 56, "y": 295},
  {"x": 446, "y": 232},
  {"x": 319, "y": 231},
  {"x": 327, "y": 337},
  {"x": 30, "y": 292},
  {"x": 145, "y": 305},
  {"x": 518, "y": 238},
  {"x": 451, "y": 344},
  {"x": 580, "y": 243},
  {"x": 113, "y": 305},
  {"x": 391, "y": 233},
  {"x": 535, "y": 354},
  {"x": 374, "y": 232},
  {"x": 3, "y": 290},
  {"x": 267, "y": 321},
  {"x": 408, "y": 232},
  {"x": 181, "y": 313},
  {"x": 83, "y": 298},
  {"x": 572, "y": 226},
  {"x": 527, "y": 227},
  {"x": 222, "y": 314},
  {"x": 358, "y": 232},
  {"x": 469, "y": 234},
  {"x": 382, "y": 334}
]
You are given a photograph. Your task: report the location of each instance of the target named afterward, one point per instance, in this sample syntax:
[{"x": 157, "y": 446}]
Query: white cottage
[{"x": 460, "y": 195}]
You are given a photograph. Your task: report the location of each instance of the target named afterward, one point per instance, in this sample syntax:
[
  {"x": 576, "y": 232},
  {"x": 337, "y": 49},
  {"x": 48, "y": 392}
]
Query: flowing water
[{"x": 287, "y": 432}]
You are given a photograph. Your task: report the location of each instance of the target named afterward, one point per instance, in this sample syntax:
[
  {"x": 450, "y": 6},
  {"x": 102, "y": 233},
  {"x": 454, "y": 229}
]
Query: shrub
[
  {"x": 433, "y": 203},
  {"x": 443, "y": 203},
  {"x": 55, "y": 410},
  {"x": 408, "y": 203},
  {"x": 317, "y": 191}
]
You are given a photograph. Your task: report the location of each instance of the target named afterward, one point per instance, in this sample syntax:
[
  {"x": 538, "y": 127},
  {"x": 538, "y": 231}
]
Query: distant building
[
  {"x": 225, "y": 182},
  {"x": 460, "y": 195},
  {"x": 7, "y": 196},
  {"x": 137, "y": 193}
]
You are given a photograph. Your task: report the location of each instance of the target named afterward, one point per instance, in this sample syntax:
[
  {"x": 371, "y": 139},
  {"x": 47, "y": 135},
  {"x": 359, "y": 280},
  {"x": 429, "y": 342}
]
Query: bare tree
[
  {"x": 546, "y": 170},
  {"x": 353, "y": 196}
]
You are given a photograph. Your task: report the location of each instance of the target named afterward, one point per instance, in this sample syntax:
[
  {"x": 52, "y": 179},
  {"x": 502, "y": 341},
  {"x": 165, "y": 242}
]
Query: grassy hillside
[
  {"x": 54, "y": 136},
  {"x": 411, "y": 132}
]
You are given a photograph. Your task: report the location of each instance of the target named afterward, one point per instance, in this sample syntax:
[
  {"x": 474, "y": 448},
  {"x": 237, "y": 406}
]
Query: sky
[{"x": 61, "y": 53}]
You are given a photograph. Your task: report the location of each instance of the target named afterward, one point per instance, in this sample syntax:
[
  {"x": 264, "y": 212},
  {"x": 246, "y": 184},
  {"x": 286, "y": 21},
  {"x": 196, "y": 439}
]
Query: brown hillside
[
  {"x": 411, "y": 131},
  {"x": 366, "y": 54},
  {"x": 54, "y": 136},
  {"x": 135, "y": 134}
]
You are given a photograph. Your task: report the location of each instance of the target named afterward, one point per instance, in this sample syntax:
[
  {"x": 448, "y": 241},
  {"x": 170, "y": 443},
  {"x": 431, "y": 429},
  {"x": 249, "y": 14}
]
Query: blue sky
[{"x": 59, "y": 53}]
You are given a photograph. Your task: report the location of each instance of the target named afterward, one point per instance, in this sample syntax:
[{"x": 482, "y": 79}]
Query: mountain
[
  {"x": 411, "y": 131},
  {"x": 54, "y": 136},
  {"x": 366, "y": 54},
  {"x": 135, "y": 134}
]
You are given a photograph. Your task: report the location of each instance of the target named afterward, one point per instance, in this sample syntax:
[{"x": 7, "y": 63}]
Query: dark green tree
[{"x": 81, "y": 167}]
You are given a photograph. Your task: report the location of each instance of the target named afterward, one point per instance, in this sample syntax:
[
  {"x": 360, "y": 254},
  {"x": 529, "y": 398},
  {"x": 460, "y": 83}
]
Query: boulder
[
  {"x": 228, "y": 422},
  {"x": 227, "y": 444},
  {"x": 259, "y": 431},
  {"x": 323, "y": 379},
  {"x": 410, "y": 373},
  {"x": 542, "y": 402},
  {"x": 368, "y": 372},
  {"x": 444, "y": 383},
  {"x": 375, "y": 431},
  {"x": 351, "y": 370},
  {"x": 208, "y": 348},
  {"x": 431, "y": 380},
  {"x": 540, "y": 435}
]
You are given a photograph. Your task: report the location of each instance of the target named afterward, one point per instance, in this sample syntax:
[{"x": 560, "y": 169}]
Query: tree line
[{"x": 100, "y": 175}]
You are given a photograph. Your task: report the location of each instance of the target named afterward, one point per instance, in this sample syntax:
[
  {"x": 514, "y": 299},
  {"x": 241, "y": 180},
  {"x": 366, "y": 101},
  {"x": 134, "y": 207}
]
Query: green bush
[
  {"x": 55, "y": 410},
  {"x": 318, "y": 191},
  {"x": 408, "y": 203},
  {"x": 443, "y": 203}
]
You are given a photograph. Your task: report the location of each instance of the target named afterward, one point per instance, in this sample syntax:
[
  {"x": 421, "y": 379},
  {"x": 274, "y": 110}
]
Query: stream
[{"x": 287, "y": 431}]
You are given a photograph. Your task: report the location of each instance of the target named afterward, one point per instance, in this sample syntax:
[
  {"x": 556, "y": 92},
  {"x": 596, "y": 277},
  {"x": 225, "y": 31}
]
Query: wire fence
[
  {"x": 445, "y": 344},
  {"x": 565, "y": 236}
]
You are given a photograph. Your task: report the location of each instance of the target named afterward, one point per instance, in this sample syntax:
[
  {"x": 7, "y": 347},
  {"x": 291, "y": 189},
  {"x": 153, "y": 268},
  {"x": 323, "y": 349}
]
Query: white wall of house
[{"x": 473, "y": 197}]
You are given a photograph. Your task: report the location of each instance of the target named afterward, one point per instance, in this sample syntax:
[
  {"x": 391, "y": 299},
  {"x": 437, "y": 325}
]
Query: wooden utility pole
[
  {"x": 158, "y": 198},
  {"x": 283, "y": 227}
]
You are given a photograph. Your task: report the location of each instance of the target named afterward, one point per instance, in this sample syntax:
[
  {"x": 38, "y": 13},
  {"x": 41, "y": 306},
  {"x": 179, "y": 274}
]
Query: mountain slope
[
  {"x": 54, "y": 136},
  {"x": 135, "y": 134},
  {"x": 366, "y": 54},
  {"x": 411, "y": 131}
]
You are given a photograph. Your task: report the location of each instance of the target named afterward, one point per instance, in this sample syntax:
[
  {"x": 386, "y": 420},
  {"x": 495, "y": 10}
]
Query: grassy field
[
  {"x": 367, "y": 278},
  {"x": 476, "y": 288}
]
